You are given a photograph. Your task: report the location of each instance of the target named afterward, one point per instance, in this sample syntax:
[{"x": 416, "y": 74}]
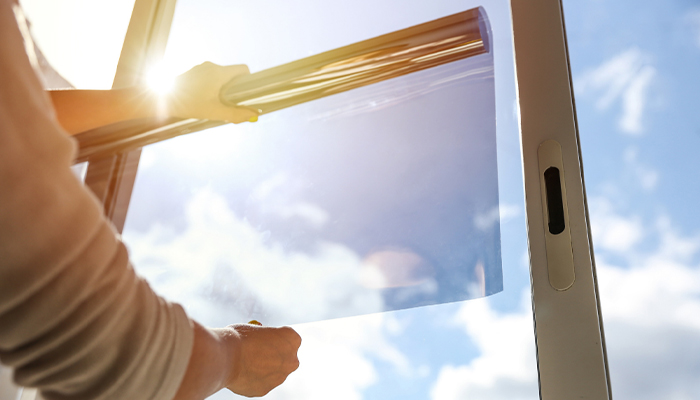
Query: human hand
[
  {"x": 263, "y": 357},
  {"x": 195, "y": 94}
]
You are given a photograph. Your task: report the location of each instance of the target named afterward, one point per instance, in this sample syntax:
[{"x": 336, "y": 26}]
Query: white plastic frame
[{"x": 571, "y": 354}]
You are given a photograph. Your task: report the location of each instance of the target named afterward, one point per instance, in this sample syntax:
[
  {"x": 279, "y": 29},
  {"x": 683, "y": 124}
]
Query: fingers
[
  {"x": 293, "y": 366},
  {"x": 240, "y": 69},
  {"x": 231, "y": 69},
  {"x": 294, "y": 341},
  {"x": 242, "y": 114},
  {"x": 291, "y": 335},
  {"x": 196, "y": 94},
  {"x": 225, "y": 71},
  {"x": 267, "y": 356}
]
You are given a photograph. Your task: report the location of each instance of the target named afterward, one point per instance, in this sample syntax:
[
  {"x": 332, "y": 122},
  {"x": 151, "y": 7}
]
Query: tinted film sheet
[{"x": 380, "y": 198}]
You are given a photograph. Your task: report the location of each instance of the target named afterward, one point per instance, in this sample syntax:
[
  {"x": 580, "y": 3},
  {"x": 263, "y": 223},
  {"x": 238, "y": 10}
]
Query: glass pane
[
  {"x": 403, "y": 193},
  {"x": 80, "y": 39}
]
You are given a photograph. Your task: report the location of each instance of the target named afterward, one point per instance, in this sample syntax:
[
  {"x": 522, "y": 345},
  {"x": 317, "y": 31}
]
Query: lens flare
[{"x": 160, "y": 79}]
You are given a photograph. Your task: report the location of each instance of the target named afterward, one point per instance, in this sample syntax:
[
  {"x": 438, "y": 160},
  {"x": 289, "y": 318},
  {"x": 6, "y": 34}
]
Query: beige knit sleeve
[{"x": 75, "y": 320}]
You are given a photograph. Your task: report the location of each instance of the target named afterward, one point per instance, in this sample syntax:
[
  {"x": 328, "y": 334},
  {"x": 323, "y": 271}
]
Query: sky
[
  {"x": 634, "y": 68},
  {"x": 635, "y": 79}
]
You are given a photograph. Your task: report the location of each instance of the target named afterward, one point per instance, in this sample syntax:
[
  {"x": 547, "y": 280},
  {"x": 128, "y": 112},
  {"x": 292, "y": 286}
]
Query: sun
[{"x": 160, "y": 79}]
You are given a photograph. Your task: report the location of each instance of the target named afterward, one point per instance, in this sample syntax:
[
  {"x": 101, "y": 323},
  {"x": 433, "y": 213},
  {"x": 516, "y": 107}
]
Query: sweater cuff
[{"x": 180, "y": 355}]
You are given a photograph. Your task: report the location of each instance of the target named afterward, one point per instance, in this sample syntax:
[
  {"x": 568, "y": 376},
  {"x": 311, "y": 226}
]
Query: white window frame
[{"x": 571, "y": 355}]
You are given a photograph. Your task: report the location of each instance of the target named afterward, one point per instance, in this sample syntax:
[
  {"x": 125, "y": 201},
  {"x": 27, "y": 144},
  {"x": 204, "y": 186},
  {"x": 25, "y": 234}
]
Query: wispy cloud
[
  {"x": 645, "y": 175},
  {"x": 693, "y": 17},
  {"x": 280, "y": 195},
  {"x": 611, "y": 231},
  {"x": 624, "y": 79},
  {"x": 503, "y": 212}
]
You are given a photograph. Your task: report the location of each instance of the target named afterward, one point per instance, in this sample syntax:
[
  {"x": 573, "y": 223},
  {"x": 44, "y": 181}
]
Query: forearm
[
  {"x": 81, "y": 110},
  {"x": 208, "y": 368}
]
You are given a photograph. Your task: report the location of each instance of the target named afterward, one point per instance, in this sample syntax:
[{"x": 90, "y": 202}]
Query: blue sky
[
  {"x": 661, "y": 43},
  {"x": 635, "y": 67},
  {"x": 635, "y": 78}
]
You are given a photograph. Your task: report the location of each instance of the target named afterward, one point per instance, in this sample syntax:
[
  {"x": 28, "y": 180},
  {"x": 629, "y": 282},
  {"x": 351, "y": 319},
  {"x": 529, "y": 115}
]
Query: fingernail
[
  {"x": 254, "y": 118},
  {"x": 254, "y": 322}
]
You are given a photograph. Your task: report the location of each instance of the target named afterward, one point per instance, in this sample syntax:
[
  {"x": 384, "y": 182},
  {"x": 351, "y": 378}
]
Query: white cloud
[
  {"x": 278, "y": 195},
  {"x": 397, "y": 268},
  {"x": 653, "y": 286},
  {"x": 673, "y": 246},
  {"x": 634, "y": 100},
  {"x": 651, "y": 309},
  {"x": 650, "y": 299},
  {"x": 224, "y": 271},
  {"x": 311, "y": 213},
  {"x": 502, "y": 212},
  {"x": 646, "y": 176},
  {"x": 625, "y": 79},
  {"x": 612, "y": 232},
  {"x": 505, "y": 368}
]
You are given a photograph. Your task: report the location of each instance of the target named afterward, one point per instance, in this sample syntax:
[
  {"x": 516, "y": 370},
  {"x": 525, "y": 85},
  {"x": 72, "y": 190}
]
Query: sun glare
[{"x": 160, "y": 79}]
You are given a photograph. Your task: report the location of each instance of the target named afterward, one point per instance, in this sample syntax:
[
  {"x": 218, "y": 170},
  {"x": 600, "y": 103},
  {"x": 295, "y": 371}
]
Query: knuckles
[
  {"x": 294, "y": 365},
  {"x": 291, "y": 335}
]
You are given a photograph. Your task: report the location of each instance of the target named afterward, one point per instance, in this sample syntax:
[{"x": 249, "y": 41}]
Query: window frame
[
  {"x": 111, "y": 177},
  {"x": 571, "y": 354}
]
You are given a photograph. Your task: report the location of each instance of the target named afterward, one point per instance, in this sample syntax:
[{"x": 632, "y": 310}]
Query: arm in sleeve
[{"x": 75, "y": 319}]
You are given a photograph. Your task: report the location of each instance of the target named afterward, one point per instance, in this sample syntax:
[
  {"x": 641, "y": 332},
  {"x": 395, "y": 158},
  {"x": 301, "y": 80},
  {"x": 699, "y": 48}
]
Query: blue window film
[{"x": 206, "y": 205}]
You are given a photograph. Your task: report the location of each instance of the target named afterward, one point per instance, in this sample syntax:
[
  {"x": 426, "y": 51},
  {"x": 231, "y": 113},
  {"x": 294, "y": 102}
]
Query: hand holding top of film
[{"x": 195, "y": 94}]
